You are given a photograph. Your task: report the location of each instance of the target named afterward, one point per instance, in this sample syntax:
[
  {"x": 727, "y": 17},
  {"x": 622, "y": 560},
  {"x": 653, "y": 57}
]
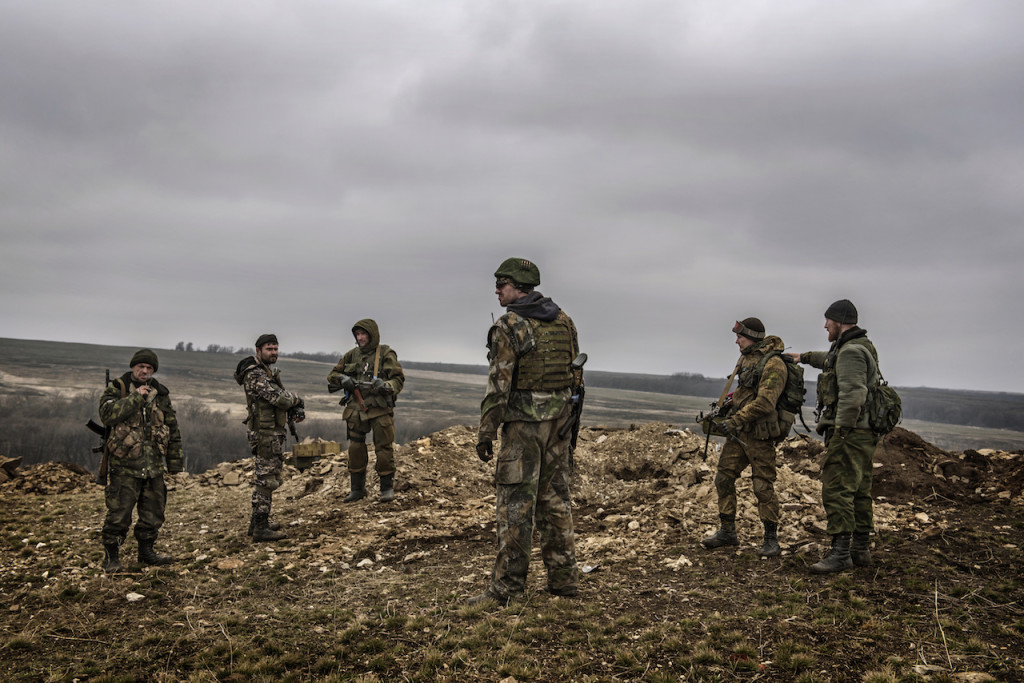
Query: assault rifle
[
  {"x": 104, "y": 433},
  {"x": 356, "y": 391},
  {"x": 713, "y": 423},
  {"x": 296, "y": 413},
  {"x": 578, "y": 394}
]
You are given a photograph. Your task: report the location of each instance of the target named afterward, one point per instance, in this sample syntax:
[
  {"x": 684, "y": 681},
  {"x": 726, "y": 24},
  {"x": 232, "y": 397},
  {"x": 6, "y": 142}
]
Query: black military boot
[
  {"x": 838, "y": 557},
  {"x": 271, "y": 524},
  {"x": 726, "y": 534},
  {"x": 261, "y": 530},
  {"x": 860, "y": 549},
  {"x": 358, "y": 486},
  {"x": 149, "y": 556},
  {"x": 770, "y": 546},
  {"x": 111, "y": 558},
  {"x": 387, "y": 488}
]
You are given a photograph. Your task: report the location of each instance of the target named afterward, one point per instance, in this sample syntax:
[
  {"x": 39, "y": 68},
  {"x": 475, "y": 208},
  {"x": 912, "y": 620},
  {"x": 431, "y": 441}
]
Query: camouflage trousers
[
  {"x": 269, "y": 463},
  {"x": 383, "y": 428},
  {"x": 532, "y": 482},
  {"x": 760, "y": 456},
  {"x": 122, "y": 494},
  {"x": 846, "y": 482}
]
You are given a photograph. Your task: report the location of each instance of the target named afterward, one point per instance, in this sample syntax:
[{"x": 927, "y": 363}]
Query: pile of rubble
[{"x": 44, "y": 479}]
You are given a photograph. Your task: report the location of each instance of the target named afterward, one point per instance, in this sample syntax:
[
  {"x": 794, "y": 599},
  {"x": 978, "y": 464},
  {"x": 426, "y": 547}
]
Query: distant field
[{"x": 431, "y": 398}]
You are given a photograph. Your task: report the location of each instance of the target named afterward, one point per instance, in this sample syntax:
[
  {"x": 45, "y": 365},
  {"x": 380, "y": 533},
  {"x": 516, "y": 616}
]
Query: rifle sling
[{"x": 728, "y": 384}]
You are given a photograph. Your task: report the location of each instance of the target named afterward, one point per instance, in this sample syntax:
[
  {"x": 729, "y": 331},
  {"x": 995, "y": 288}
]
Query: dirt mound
[{"x": 48, "y": 478}]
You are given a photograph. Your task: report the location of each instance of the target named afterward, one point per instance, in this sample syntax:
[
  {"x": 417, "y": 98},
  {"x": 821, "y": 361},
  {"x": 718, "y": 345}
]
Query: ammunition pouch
[{"x": 786, "y": 422}]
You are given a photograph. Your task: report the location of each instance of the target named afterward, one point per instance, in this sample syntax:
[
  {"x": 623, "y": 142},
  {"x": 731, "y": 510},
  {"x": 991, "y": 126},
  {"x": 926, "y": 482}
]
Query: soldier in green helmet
[
  {"x": 849, "y": 368},
  {"x": 530, "y": 349},
  {"x": 144, "y": 443}
]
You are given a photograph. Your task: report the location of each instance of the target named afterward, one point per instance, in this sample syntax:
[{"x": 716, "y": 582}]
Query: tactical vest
[
  {"x": 146, "y": 425},
  {"x": 544, "y": 351},
  {"x": 828, "y": 381},
  {"x": 264, "y": 415}
]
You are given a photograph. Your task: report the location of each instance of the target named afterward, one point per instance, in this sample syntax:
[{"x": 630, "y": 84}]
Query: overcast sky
[{"x": 207, "y": 171}]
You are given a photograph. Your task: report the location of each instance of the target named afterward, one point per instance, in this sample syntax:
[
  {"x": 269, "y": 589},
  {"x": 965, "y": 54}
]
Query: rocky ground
[{"x": 942, "y": 602}]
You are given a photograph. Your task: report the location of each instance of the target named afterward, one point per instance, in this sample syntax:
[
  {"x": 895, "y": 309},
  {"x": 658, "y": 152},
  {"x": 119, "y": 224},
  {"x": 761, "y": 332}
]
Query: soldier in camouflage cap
[
  {"x": 755, "y": 425},
  {"x": 530, "y": 350},
  {"x": 144, "y": 442},
  {"x": 269, "y": 406}
]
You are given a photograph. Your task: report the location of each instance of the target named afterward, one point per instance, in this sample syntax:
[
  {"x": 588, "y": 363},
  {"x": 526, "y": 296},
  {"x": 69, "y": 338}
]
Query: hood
[
  {"x": 766, "y": 345},
  {"x": 537, "y": 306},
  {"x": 243, "y": 368},
  {"x": 371, "y": 327}
]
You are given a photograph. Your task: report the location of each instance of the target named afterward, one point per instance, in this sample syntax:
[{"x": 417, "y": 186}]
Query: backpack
[
  {"x": 792, "y": 397},
  {"x": 883, "y": 404},
  {"x": 885, "y": 409}
]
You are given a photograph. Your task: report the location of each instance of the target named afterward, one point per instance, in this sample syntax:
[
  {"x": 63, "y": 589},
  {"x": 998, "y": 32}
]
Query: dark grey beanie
[
  {"x": 144, "y": 356},
  {"x": 843, "y": 312}
]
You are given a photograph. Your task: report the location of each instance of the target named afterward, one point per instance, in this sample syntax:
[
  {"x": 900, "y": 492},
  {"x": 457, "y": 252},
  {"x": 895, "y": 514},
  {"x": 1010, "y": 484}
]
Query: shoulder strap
[
  {"x": 728, "y": 384},
  {"x": 376, "y": 361},
  {"x": 121, "y": 385}
]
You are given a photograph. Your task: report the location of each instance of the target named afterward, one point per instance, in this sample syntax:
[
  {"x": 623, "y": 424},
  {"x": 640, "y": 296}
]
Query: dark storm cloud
[{"x": 670, "y": 166}]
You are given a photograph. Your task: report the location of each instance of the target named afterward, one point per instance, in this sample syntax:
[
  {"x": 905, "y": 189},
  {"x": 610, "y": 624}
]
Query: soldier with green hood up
[
  {"x": 144, "y": 443},
  {"x": 529, "y": 399},
  {"x": 371, "y": 377}
]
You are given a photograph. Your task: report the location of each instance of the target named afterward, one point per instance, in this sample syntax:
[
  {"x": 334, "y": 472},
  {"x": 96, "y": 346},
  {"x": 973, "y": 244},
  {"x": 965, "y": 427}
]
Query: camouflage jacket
[
  {"x": 755, "y": 397},
  {"x": 358, "y": 363},
  {"x": 265, "y": 397},
  {"x": 503, "y": 402},
  {"x": 144, "y": 438},
  {"x": 849, "y": 367}
]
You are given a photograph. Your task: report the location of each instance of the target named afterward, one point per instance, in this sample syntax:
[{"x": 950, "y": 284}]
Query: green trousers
[{"x": 846, "y": 481}]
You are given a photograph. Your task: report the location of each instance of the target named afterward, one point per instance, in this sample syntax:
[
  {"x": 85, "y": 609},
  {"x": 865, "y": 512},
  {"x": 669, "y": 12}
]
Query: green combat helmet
[{"x": 520, "y": 271}]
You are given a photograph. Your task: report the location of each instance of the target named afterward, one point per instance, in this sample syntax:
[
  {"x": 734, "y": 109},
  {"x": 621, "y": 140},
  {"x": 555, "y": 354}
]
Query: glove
[
  {"x": 348, "y": 383},
  {"x": 174, "y": 466},
  {"x": 379, "y": 386},
  {"x": 485, "y": 450},
  {"x": 730, "y": 425}
]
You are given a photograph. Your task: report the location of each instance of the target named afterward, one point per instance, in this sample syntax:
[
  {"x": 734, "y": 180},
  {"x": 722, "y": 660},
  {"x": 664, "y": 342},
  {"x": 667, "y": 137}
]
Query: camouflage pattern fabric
[
  {"x": 268, "y": 403},
  {"x": 760, "y": 456},
  {"x": 383, "y": 429},
  {"x": 269, "y": 462},
  {"x": 754, "y": 400},
  {"x": 122, "y": 494},
  {"x": 267, "y": 400},
  {"x": 532, "y": 481},
  {"x": 846, "y": 481},
  {"x": 505, "y": 403},
  {"x": 757, "y": 420},
  {"x": 144, "y": 439}
]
